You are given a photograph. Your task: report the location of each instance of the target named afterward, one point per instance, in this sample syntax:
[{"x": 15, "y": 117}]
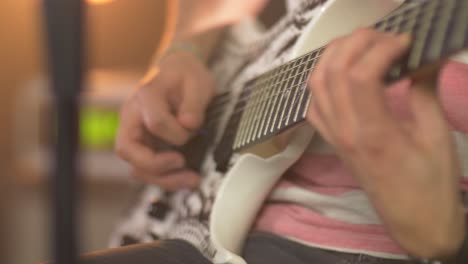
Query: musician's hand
[
  {"x": 407, "y": 167},
  {"x": 168, "y": 105}
]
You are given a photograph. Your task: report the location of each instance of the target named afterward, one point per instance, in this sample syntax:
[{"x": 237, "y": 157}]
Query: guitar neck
[
  {"x": 279, "y": 98},
  {"x": 439, "y": 29}
]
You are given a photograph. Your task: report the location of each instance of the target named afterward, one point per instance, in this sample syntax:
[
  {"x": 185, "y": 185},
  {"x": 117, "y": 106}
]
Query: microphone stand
[{"x": 63, "y": 20}]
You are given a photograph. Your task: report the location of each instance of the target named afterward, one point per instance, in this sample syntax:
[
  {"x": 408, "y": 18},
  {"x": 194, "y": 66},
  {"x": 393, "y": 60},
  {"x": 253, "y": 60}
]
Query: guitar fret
[
  {"x": 247, "y": 115},
  {"x": 251, "y": 115},
  {"x": 280, "y": 97},
  {"x": 241, "y": 103},
  {"x": 392, "y": 23},
  {"x": 396, "y": 25},
  {"x": 273, "y": 98},
  {"x": 263, "y": 107},
  {"x": 282, "y": 81},
  {"x": 460, "y": 30},
  {"x": 284, "y": 105},
  {"x": 309, "y": 99},
  {"x": 289, "y": 77},
  {"x": 416, "y": 53},
  {"x": 254, "y": 113},
  {"x": 302, "y": 102},
  {"x": 259, "y": 102},
  {"x": 289, "y": 87},
  {"x": 385, "y": 25},
  {"x": 410, "y": 24},
  {"x": 241, "y": 129},
  {"x": 446, "y": 45},
  {"x": 302, "y": 110},
  {"x": 407, "y": 25},
  {"x": 246, "y": 118},
  {"x": 297, "y": 87},
  {"x": 232, "y": 129},
  {"x": 269, "y": 105},
  {"x": 381, "y": 25},
  {"x": 283, "y": 91},
  {"x": 236, "y": 138},
  {"x": 406, "y": 10},
  {"x": 436, "y": 39},
  {"x": 255, "y": 121},
  {"x": 295, "y": 102},
  {"x": 312, "y": 66},
  {"x": 389, "y": 22}
]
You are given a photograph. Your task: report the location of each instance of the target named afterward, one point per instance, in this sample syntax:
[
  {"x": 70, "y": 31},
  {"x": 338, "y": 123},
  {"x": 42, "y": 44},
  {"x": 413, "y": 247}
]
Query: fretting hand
[{"x": 407, "y": 167}]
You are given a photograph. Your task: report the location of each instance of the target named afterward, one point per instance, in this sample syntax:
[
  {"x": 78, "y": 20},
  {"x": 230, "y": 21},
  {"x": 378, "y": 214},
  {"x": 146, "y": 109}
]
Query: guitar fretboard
[{"x": 279, "y": 98}]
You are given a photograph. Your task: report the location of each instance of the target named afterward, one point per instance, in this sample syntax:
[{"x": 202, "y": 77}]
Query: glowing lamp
[{"x": 98, "y": 2}]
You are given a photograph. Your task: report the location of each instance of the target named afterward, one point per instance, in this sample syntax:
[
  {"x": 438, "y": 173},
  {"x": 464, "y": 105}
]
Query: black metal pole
[{"x": 64, "y": 34}]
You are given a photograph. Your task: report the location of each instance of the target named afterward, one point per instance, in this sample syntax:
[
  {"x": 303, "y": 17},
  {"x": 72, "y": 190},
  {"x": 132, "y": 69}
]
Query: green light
[{"x": 98, "y": 127}]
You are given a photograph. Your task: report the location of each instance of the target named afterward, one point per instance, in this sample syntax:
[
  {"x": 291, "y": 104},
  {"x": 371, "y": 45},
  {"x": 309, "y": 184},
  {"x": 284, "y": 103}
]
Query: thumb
[{"x": 195, "y": 99}]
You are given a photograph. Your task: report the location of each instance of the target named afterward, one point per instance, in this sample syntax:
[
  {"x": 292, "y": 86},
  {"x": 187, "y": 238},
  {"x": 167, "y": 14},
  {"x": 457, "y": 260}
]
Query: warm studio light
[{"x": 98, "y": 2}]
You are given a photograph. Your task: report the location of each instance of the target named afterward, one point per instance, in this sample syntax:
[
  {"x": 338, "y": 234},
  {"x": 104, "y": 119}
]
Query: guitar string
[
  {"x": 248, "y": 96},
  {"x": 239, "y": 109},
  {"x": 281, "y": 71},
  {"x": 245, "y": 95},
  {"x": 417, "y": 17},
  {"x": 246, "y": 91},
  {"x": 381, "y": 23},
  {"x": 418, "y": 20}
]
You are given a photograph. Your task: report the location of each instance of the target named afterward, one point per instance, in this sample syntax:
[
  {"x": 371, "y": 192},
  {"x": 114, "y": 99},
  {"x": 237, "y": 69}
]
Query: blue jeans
[{"x": 260, "y": 248}]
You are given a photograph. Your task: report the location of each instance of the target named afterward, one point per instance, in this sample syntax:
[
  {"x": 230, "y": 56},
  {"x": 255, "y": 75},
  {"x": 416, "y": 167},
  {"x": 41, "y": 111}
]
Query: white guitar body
[{"x": 250, "y": 180}]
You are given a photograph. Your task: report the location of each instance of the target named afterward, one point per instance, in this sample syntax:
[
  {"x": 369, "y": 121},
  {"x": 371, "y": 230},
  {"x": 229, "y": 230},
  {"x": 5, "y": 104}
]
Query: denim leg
[{"x": 265, "y": 248}]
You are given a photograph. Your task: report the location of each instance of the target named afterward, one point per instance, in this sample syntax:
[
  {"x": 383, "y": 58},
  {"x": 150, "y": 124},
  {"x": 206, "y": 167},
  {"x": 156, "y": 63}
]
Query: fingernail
[
  {"x": 191, "y": 120},
  {"x": 177, "y": 164},
  {"x": 405, "y": 39},
  {"x": 192, "y": 182}
]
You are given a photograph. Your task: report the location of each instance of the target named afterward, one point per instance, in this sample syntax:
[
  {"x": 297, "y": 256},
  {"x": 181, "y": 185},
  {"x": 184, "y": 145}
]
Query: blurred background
[{"x": 122, "y": 36}]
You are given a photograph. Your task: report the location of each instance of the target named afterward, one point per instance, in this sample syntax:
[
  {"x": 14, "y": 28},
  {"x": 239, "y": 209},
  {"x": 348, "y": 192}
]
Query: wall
[{"x": 122, "y": 35}]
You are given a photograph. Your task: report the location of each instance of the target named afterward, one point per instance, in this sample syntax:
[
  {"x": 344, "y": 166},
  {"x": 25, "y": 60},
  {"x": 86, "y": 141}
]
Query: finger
[
  {"x": 383, "y": 54},
  {"x": 160, "y": 122},
  {"x": 147, "y": 160},
  {"x": 130, "y": 147},
  {"x": 191, "y": 112},
  {"x": 427, "y": 111},
  {"x": 366, "y": 79},
  {"x": 318, "y": 83},
  {"x": 351, "y": 50},
  {"x": 315, "y": 118},
  {"x": 170, "y": 181}
]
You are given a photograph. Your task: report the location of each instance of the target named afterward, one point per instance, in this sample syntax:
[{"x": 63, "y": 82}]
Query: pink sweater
[{"x": 319, "y": 203}]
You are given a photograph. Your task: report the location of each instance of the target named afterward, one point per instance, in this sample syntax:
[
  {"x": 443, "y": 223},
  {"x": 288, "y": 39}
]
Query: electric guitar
[{"x": 256, "y": 129}]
